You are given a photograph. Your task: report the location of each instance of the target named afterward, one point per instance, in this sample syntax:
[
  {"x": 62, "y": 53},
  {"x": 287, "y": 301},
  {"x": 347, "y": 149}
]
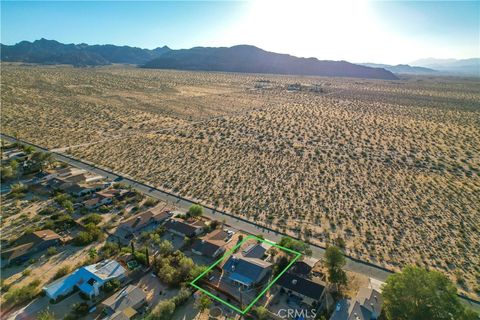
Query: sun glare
[{"x": 337, "y": 30}]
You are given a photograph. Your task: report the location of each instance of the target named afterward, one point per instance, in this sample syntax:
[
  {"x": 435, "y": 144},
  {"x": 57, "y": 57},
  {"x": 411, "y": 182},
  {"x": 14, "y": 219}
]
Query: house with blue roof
[
  {"x": 246, "y": 272},
  {"x": 88, "y": 279}
]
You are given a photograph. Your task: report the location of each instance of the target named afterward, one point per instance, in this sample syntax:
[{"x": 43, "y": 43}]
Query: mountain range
[
  {"x": 53, "y": 52},
  {"x": 401, "y": 68},
  {"x": 452, "y": 66},
  {"x": 242, "y": 58},
  {"x": 250, "y": 59}
]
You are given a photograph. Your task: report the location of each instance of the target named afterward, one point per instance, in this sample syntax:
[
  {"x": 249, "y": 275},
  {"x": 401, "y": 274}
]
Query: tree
[
  {"x": 46, "y": 315},
  {"x": 163, "y": 311},
  {"x": 165, "y": 248},
  {"x": 418, "y": 294},
  {"x": 111, "y": 285},
  {"x": 94, "y": 218},
  {"x": 334, "y": 261},
  {"x": 51, "y": 251},
  {"x": 6, "y": 173},
  {"x": 261, "y": 312},
  {"x": 92, "y": 253},
  {"x": 147, "y": 257},
  {"x": 203, "y": 302},
  {"x": 195, "y": 211},
  {"x": 295, "y": 245}
]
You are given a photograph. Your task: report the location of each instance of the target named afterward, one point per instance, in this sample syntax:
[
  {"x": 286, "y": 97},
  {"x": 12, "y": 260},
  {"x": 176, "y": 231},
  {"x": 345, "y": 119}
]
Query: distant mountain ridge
[
  {"x": 53, "y": 52},
  {"x": 401, "y": 68},
  {"x": 250, "y": 59},
  {"x": 241, "y": 58},
  {"x": 452, "y": 66}
]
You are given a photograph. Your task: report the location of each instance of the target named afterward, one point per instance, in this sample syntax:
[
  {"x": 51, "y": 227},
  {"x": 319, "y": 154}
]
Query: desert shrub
[
  {"x": 94, "y": 218},
  {"x": 52, "y": 251},
  {"x": 150, "y": 202},
  {"x": 80, "y": 309},
  {"x": 45, "y": 315},
  {"x": 109, "y": 249},
  {"x": 16, "y": 296},
  {"x": 92, "y": 233},
  {"x": 26, "y": 272},
  {"x": 61, "y": 272}
]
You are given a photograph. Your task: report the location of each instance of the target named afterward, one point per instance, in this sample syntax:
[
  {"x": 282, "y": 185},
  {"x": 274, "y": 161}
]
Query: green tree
[
  {"x": 335, "y": 261},
  {"x": 6, "y": 173},
  {"x": 111, "y": 285},
  {"x": 204, "y": 302},
  {"x": 46, "y": 315},
  {"x": 92, "y": 253},
  {"x": 261, "y": 313},
  {"x": 295, "y": 245},
  {"x": 163, "y": 311},
  {"x": 195, "y": 211},
  {"x": 418, "y": 294},
  {"x": 165, "y": 247},
  {"x": 94, "y": 218}
]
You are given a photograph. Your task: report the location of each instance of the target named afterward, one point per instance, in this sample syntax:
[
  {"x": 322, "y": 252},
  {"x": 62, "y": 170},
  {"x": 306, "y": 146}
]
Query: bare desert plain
[{"x": 389, "y": 169}]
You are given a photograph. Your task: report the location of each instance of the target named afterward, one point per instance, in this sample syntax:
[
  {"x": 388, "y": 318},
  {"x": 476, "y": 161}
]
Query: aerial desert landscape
[{"x": 388, "y": 169}]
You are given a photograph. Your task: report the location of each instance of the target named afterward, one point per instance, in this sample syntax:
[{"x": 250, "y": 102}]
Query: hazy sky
[{"x": 356, "y": 30}]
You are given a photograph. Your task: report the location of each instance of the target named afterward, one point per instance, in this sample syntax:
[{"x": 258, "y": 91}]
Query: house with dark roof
[
  {"x": 151, "y": 218},
  {"x": 304, "y": 267},
  {"x": 29, "y": 244},
  {"x": 246, "y": 272},
  {"x": 211, "y": 245},
  {"x": 367, "y": 305},
  {"x": 130, "y": 297},
  {"x": 306, "y": 290},
  {"x": 185, "y": 228}
]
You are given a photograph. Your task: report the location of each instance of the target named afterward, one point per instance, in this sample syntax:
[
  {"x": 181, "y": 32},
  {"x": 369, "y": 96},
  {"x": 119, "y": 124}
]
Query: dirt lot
[{"x": 391, "y": 167}]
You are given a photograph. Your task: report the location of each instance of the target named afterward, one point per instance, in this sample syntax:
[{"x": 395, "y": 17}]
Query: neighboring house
[
  {"x": 306, "y": 291},
  {"x": 151, "y": 218},
  {"x": 88, "y": 279},
  {"x": 304, "y": 267},
  {"x": 15, "y": 154},
  {"x": 29, "y": 244},
  {"x": 211, "y": 245},
  {"x": 111, "y": 194},
  {"x": 246, "y": 272},
  {"x": 129, "y": 298},
  {"x": 126, "y": 314},
  {"x": 101, "y": 198},
  {"x": 72, "y": 175},
  {"x": 367, "y": 305},
  {"x": 79, "y": 190},
  {"x": 185, "y": 228}
]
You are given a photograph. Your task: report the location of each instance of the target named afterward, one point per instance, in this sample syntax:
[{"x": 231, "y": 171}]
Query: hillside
[
  {"x": 401, "y": 68},
  {"x": 250, "y": 59},
  {"x": 45, "y": 51}
]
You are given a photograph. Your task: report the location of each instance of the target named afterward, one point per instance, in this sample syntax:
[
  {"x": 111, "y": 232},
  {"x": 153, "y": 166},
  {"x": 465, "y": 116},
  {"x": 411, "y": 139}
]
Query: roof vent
[{"x": 294, "y": 281}]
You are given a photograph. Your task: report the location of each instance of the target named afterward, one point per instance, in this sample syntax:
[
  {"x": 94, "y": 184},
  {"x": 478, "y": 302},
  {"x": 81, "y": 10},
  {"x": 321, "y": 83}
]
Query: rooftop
[
  {"x": 127, "y": 297},
  {"x": 301, "y": 285}
]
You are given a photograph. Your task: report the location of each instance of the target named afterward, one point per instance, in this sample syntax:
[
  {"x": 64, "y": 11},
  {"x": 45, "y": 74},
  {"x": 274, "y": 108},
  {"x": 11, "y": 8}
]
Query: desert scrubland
[{"x": 389, "y": 167}]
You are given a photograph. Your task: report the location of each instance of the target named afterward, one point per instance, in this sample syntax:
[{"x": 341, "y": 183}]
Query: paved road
[{"x": 365, "y": 268}]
